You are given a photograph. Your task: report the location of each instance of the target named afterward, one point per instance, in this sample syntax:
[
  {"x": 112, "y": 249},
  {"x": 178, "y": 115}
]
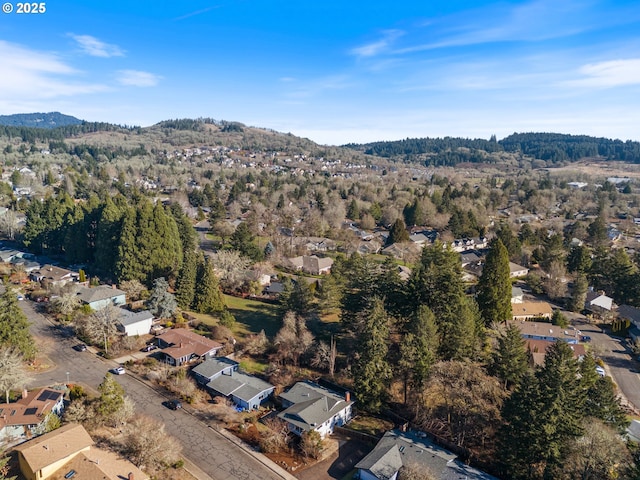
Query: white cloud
[
  {"x": 378, "y": 47},
  {"x": 34, "y": 75},
  {"x": 97, "y": 48},
  {"x": 612, "y": 73},
  {"x": 137, "y": 78}
]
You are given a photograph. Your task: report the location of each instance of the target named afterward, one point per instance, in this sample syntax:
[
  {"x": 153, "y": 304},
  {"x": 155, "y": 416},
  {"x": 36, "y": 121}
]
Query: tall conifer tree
[{"x": 494, "y": 286}]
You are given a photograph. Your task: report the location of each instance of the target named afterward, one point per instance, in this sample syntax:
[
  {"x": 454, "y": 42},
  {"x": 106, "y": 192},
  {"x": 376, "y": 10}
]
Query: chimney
[
  {"x": 25, "y": 393},
  {"x": 347, "y": 396},
  {"x": 130, "y": 476},
  {"x": 113, "y": 286}
]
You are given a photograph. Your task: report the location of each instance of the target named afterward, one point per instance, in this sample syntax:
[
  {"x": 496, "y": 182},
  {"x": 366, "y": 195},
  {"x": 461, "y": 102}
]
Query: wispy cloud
[
  {"x": 137, "y": 78},
  {"x": 379, "y": 46},
  {"x": 96, "y": 48},
  {"x": 197, "y": 12},
  {"x": 38, "y": 75},
  {"x": 612, "y": 73}
]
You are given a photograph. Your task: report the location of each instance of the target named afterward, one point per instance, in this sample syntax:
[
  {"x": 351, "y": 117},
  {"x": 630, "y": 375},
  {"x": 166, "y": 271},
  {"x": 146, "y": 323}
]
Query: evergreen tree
[
  {"x": 14, "y": 327},
  {"x": 243, "y": 241},
  {"x": 552, "y": 251},
  {"x": 418, "y": 350},
  {"x": 371, "y": 370},
  {"x": 208, "y": 297},
  {"x": 510, "y": 241},
  {"x": 162, "y": 303},
  {"x": 108, "y": 237},
  {"x": 579, "y": 294},
  {"x": 186, "y": 283},
  {"x": 398, "y": 232},
  {"x": 329, "y": 294},
  {"x": 129, "y": 264},
  {"x": 494, "y": 286},
  {"x": 579, "y": 259},
  {"x": 297, "y": 297},
  {"x": 511, "y": 359},
  {"x": 111, "y": 397},
  {"x": 353, "y": 212}
]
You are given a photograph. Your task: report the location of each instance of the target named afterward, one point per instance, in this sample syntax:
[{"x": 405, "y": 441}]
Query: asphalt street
[{"x": 209, "y": 450}]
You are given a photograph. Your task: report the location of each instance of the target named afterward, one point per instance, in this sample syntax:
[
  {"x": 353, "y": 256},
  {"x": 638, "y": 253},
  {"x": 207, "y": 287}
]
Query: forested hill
[
  {"x": 39, "y": 120},
  {"x": 551, "y": 147}
]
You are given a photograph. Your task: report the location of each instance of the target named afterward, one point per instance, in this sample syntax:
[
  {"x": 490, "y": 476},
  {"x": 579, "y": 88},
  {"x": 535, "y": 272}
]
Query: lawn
[{"x": 253, "y": 316}]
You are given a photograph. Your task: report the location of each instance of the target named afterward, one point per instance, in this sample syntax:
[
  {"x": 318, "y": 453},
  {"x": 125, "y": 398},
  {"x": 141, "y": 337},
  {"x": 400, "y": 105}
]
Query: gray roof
[
  {"x": 629, "y": 312},
  {"x": 312, "y": 405},
  {"x": 516, "y": 292},
  {"x": 396, "y": 449},
  {"x": 213, "y": 366},
  {"x": 96, "y": 294},
  {"x": 127, "y": 317},
  {"x": 240, "y": 385}
]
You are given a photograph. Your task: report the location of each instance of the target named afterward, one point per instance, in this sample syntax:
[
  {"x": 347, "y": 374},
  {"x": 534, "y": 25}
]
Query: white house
[
  {"x": 134, "y": 323},
  {"x": 308, "y": 406},
  {"x": 517, "y": 271},
  {"x": 599, "y": 303}
]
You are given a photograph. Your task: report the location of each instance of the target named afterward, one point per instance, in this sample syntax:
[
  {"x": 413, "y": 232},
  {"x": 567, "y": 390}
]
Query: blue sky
[{"x": 335, "y": 72}]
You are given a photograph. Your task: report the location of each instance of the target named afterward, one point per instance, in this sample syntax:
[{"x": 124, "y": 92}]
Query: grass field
[{"x": 253, "y": 316}]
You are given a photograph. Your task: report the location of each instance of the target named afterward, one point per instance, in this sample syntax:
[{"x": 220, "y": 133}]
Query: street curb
[
  {"x": 267, "y": 462},
  {"x": 275, "y": 468}
]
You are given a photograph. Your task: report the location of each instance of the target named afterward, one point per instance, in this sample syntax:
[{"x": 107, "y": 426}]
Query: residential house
[
  {"x": 538, "y": 349},
  {"x": 52, "y": 276},
  {"x": 517, "y": 271},
  {"x": 548, "y": 332},
  {"x": 627, "y": 312},
  {"x": 312, "y": 264},
  {"x": 517, "y": 295},
  {"x": 402, "y": 250},
  {"x": 599, "y": 303},
  {"x": 464, "y": 244},
  {"x": 531, "y": 310},
  {"x": 101, "y": 296},
  {"x": 182, "y": 346},
  {"x": 134, "y": 323},
  {"x": 69, "y": 452},
  {"x": 245, "y": 391},
  {"x": 397, "y": 449},
  {"x": 8, "y": 254},
  {"x": 470, "y": 258},
  {"x": 308, "y": 406},
  {"x": 27, "y": 417}
]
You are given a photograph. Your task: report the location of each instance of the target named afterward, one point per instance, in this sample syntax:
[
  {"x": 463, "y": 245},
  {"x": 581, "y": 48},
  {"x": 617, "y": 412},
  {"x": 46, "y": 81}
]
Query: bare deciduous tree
[
  {"x": 325, "y": 356},
  {"x": 413, "y": 471},
  {"x": 276, "y": 438},
  {"x": 231, "y": 267},
  {"x": 133, "y": 288},
  {"x": 293, "y": 339},
  {"x": 100, "y": 326},
  {"x": 12, "y": 371},
  {"x": 67, "y": 302},
  {"x": 148, "y": 443}
]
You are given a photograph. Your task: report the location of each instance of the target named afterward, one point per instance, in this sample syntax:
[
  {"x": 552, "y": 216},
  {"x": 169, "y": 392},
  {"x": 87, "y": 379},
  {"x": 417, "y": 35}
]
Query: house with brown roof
[
  {"x": 52, "y": 276},
  {"x": 538, "y": 349},
  {"x": 27, "y": 417},
  {"x": 528, "y": 310},
  {"x": 69, "y": 452},
  {"x": 181, "y": 346}
]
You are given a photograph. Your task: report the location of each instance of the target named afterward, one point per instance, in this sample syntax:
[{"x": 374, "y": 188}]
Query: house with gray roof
[
  {"x": 101, "y": 296},
  {"x": 134, "y": 323},
  {"x": 220, "y": 376},
  {"x": 397, "y": 449},
  {"x": 308, "y": 406}
]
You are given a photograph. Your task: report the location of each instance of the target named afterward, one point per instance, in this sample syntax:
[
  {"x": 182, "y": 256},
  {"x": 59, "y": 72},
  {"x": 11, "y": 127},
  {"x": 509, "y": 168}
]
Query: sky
[{"x": 332, "y": 71}]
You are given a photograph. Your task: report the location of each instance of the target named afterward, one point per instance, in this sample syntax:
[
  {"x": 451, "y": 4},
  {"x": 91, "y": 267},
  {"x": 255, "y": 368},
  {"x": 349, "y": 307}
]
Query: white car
[
  {"x": 118, "y": 371},
  {"x": 600, "y": 371}
]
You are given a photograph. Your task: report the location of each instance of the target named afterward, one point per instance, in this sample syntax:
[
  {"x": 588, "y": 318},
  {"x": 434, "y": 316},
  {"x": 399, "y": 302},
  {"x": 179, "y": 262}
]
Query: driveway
[
  {"x": 339, "y": 463},
  {"x": 212, "y": 453}
]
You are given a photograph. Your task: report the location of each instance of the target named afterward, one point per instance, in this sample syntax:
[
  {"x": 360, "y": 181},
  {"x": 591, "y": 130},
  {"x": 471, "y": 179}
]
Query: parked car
[
  {"x": 173, "y": 404},
  {"x": 81, "y": 347},
  {"x": 118, "y": 371},
  {"x": 600, "y": 371},
  {"x": 585, "y": 338},
  {"x": 148, "y": 348}
]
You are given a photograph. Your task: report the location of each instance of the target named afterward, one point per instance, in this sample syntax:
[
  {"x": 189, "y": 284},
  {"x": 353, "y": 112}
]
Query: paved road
[
  {"x": 615, "y": 354},
  {"x": 209, "y": 450}
]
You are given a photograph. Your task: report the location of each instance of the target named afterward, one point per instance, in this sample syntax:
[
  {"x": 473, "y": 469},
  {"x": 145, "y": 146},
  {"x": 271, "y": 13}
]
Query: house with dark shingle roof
[
  {"x": 397, "y": 449},
  {"x": 182, "y": 346},
  {"x": 221, "y": 377},
  {"x": 308, "y": 406},
  {"x": 134, "y": 323}
]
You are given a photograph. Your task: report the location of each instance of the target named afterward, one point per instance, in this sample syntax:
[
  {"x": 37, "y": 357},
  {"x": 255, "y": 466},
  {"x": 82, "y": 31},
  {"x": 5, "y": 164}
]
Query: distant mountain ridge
[{"x": 39, "y": 120}]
